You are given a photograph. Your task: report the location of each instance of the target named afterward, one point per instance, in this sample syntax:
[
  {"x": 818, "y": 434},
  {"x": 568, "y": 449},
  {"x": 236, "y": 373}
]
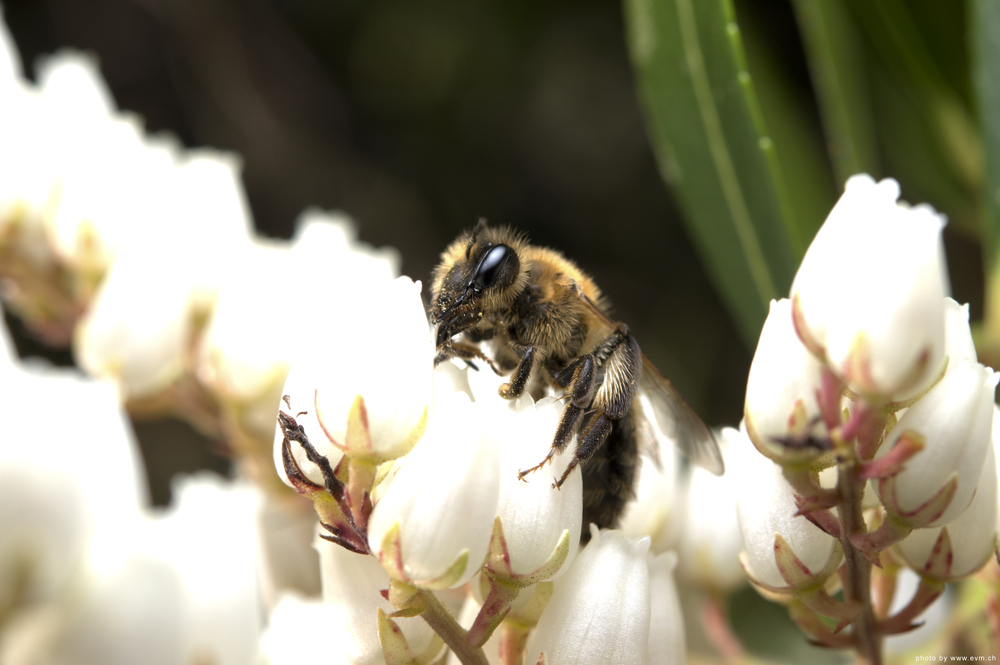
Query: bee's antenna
[{"x": 480, "y": 225}]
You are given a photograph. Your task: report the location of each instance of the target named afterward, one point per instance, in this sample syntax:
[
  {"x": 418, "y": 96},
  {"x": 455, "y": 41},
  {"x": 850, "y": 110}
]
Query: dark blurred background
[{"x": 416, "y": 117}]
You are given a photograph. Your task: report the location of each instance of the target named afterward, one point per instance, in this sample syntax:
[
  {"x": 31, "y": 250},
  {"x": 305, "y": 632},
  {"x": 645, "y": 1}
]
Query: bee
[{"x": 546, "y": 323}]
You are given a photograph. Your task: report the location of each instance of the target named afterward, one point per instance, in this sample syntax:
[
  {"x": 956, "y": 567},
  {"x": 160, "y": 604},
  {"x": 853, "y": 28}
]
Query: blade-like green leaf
[
  {"x": 836, "y": 63},
  {"x": 708, "y": 134},
  {"x": 984, "y": 37},
  {"x": 928, "y": 137}
]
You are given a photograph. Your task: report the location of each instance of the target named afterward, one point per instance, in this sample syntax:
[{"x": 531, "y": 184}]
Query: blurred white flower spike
[{"x": 869, "y": 372}]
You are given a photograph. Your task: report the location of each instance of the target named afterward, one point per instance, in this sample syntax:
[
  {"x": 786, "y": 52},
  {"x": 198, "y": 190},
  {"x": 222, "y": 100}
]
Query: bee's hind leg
[
  {"x": 581, "y": 394},
  {"x": 612, "y": 401}
]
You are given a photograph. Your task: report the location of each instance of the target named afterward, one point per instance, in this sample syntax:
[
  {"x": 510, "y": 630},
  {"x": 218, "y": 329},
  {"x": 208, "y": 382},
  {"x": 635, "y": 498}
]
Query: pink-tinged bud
[
  {"x": 432, "y": 525},
  {"x": 971, "y": 537},
  {"x": 954, "y": 420},
  {"x": 775, "y": 538},
  {"x": 784, "y": 389},
  {"x": 870, "y": 290},
  {"x": 600, "y": 610}
]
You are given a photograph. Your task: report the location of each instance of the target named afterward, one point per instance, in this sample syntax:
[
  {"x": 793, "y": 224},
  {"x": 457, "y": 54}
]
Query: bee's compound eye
[{"x": 491, "y": 264}]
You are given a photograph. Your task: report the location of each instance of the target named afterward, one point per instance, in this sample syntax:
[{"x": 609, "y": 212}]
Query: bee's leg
[
  {"x": 515, "y": 387},
  {"x": 623, "y": 367},
  {"x": 465, "y": 352},
  {"x": 584, "y": 372}
]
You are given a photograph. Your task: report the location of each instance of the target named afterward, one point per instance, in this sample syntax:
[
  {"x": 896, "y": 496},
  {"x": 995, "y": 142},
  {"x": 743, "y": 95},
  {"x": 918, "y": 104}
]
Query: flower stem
[
  {"x": 857, "y": 582},
  {"x": 440, "y": 620}
]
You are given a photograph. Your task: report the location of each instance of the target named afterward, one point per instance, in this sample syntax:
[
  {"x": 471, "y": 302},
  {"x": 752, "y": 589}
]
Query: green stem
[{"x": 440, "y": 620}]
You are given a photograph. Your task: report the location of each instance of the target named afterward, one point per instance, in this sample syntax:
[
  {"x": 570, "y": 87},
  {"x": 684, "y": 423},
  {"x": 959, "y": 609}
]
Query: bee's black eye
[{"x": 491, "y": 264}]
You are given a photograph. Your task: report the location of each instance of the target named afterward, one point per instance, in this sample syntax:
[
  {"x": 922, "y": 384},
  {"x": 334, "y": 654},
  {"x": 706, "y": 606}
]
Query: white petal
[
  {"x": 875, "y": 275},
  {"x": 958, "y": 344},
  {"x": 766, "y": 507},
  {"x": 955, "y": 418},
  {"x": 667, "y": 643},
  {"x": 534, "y": 513},
  {"x": 303, "y": 630},
  {"x": 352, "y": 584},
  {"x": 783, "y": 380},
  {"x": 972, "y": 534},
  {"x": 710, "y": 539},
  {"x": 600, "y": 610},
  {"x": 445, "y": 495}
]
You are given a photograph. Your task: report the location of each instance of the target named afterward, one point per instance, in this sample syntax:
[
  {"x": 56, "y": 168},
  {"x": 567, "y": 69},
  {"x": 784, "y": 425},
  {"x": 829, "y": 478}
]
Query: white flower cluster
[
  {"x": 82, "y": 554},
  {"x": 419, "y": 468},
  {"x": 141, "y": 254},
  {"x": 868, "y": 371}
]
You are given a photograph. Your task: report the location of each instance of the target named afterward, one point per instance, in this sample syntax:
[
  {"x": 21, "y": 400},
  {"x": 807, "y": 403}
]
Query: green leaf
[
  {"x": 708, "y": 134},
  {"x": 836, "y": 63},
  {"x": 984, "y": 37},
  {"x": 927, "y": 133}
]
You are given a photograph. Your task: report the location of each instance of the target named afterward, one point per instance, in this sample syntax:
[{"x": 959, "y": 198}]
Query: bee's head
[{"x": 479, "y": 275}]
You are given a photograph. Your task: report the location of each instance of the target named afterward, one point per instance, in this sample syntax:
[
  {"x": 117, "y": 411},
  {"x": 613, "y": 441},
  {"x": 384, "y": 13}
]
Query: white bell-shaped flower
[
  {"x": 371, "y": 404},
  {"x": 766, "y": 510},
  {"x": 432, "y": 525},
  {"x": 600, "y": 610},
  {"x": 62, "y": 479},
  {"x": 535, "y": 516},
  {"x": 667, "y": 643},
  {"x": 302, "y": 630},
  {"x": 958, "y": 344},
  {"x": 710, "y": 538},
  {"x": 352, "y": 585},
  {"x": 782, "y": 387},
  {"x": 167, "y": 589},
  {"x": 972, "y": 536},
  {"x": 870, "y": 290},
  {"x": 954, "y": 422}
]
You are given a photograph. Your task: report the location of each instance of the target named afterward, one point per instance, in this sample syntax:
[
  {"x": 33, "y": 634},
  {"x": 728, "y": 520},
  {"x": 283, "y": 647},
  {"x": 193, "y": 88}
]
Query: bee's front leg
[
  {"x": 465, "y": 352},
  {"x": 515, "y": 387}
]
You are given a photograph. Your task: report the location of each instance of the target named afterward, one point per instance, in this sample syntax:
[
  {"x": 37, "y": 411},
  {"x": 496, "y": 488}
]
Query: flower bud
[
  {"x": 767, "y": 515},
  {"x": 782, "y": 389},
  {"x": 666, "y": 620},
  {"x": 432, "y": 525},
  {"x": 534, "y": 515},
  {"x": 870, "y": 290},
  {"x": 352, "y": 584},
  {"x": 958, "y": 344},
  {"x": 971, "y": 536},
  {"x": 62, "y": 479},
  {"x": 655, "y": 511},
  {"x": 302, "y": 630},
  {"x": 954, "y": 422},
  {"x": 710, "y": 540},
  {"x": 342, "y": 381},
  {"x": 600, "y": 610}
]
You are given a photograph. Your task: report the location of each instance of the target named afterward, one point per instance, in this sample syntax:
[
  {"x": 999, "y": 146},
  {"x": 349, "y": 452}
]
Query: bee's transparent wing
[{"x": 678, "y": 421}]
